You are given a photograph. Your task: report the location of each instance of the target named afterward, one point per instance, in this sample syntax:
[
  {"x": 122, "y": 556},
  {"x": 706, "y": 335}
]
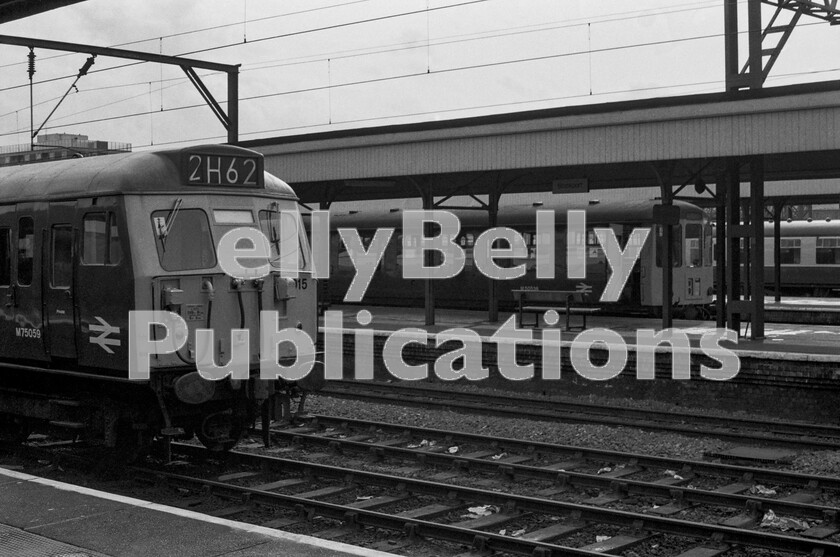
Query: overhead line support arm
[{"x": 229, "y": 120}]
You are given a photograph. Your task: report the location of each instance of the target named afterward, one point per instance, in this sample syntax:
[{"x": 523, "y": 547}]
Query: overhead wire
[
  {"x": 460, "y": 110},
  {"x": 400, "y": 46},
  {"x": 205, "y": 29},
  {"x": 446, "y": 70},
  {"x": 273, "y": 37},
  {"x": 636, "y": 14},
  {"x": 452, "y": 39},
  {"x": 449, "y": 40}
]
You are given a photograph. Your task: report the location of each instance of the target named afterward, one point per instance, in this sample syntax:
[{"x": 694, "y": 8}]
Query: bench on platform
[{"x": 562, "y": 301}]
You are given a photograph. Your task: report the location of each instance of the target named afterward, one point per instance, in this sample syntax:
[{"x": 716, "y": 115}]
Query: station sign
[{"x": 574, "y": 185}]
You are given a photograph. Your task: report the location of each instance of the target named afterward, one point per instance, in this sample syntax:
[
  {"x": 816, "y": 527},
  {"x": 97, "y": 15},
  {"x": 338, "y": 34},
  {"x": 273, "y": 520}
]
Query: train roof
[
  {"x": 805, "y": 228},
  {"x": 146, "y": 172},
  {"x": 597, "y": 211}
]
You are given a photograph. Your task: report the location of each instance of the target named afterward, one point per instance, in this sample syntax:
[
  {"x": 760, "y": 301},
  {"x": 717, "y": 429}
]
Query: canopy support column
[
  {"x": 733, "y": 259},
  {"x": 428, "y": 283},
  {"x": 667, "y": 262},
  {"x": 720, "y": 252}
]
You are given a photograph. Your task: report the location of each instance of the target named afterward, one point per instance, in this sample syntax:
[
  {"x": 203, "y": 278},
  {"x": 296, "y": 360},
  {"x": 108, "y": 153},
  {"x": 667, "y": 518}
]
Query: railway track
[
  {"x": 380, "y": 439},
  {"x": 439, "y": 510},
  {"x": 795, "y": 435},
  {"x": 534, "y": 499}
]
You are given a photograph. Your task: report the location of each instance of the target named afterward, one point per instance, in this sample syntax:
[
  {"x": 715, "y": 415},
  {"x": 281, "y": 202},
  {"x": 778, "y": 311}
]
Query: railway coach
[
  {"x": 86, "y": 241},
  {"x": 809, "y": 257},
  {"x": 692, "y": 258}
]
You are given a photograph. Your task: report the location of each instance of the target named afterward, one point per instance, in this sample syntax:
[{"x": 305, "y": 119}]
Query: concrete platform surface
[
  {"x": 782, "y": 341},
  {"x": 41, "y": 517}
]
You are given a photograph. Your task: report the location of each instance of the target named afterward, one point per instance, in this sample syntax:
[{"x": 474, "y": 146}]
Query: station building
[{"x": 57, "y": 146}]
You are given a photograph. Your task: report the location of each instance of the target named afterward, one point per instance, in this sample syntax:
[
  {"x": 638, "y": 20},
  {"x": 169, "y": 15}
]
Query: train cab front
[{"x": 236, "y": 305}]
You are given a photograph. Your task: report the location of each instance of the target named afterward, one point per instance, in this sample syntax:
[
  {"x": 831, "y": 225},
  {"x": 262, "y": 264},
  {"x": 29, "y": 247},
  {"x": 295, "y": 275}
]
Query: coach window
[
  {"x": 693, "y": 244},
  {"x": 343, "y": 260},
  {"x": 61, "y": 256},
  {"x": 183, "y": 239},
  {"x": 502, "y": 244},
  {"x": 101, "y": 239},
  {"x": 114, "y": 245},
  {"x": 828, "y": 251},
  {"x": 791, "y": 251},
  {"x": 467, "y": 241},
  {"x": 5, "y": 257},
  {"x": 26, "y": 250},
  {"x": 676, "y": 245},
  {"x": 708, "y": 246},
  {"x": 95, "y": 239}
]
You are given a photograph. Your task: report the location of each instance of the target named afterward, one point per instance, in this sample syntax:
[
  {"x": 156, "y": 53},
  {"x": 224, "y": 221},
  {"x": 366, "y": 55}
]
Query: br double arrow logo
[{"x": 105, "y": 329}]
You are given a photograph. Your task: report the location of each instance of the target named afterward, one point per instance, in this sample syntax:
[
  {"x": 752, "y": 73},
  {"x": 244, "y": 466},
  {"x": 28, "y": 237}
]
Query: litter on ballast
[
  {"x": 478, "y": 512},
  {"x": 761, "y": 490},
  {"x": 771, "y": 520}
]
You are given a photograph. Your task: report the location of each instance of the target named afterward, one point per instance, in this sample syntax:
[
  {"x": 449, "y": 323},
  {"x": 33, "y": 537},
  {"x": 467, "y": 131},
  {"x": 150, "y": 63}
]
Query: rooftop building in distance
[{"x": 56, "y": 146}]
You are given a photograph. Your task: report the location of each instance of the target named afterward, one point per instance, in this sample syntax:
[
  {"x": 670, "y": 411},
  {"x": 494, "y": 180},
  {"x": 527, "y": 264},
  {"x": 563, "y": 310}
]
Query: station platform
[
  {"x": 802, "y": 303},
  {"x": 782, "y": 341},
  {"x": 795, "y": 309},
  {"x": 792, "y": 373},
  {"x": 45, "y": 518}
]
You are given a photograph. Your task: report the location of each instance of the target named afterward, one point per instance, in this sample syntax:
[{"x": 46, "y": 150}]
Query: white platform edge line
[{"x": 277, "y": 534}]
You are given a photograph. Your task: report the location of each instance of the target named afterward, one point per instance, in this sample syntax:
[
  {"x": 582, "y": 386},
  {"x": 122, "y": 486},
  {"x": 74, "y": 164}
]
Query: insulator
[
  {"x": 88, "y": 63},
  {"x": 31, "y": 62}
]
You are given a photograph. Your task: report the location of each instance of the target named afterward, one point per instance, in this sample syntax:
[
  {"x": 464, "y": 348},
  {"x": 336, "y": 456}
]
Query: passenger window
[
  {"x": 500, "y": 244},
  {"x": 61, "y": 256},
  {"x": 101, "y": 239},
  {"x": 828, "y": 251},
  {"x": 708, "y": 246},
  {"x": 676, "y": 245},
  {"x": 5, "y": 257},
  {"x": 26, "y": 250},
  {"x": 114, "y": 246},
  {"x": 693, "y": 245},
  {"x": 791, "y": 251},
  {"x": 95, "y": 239}
]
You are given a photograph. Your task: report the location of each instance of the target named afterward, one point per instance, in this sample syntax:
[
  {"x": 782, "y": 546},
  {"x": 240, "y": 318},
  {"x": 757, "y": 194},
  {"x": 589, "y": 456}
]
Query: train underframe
[{"x": 129, "y": 416}]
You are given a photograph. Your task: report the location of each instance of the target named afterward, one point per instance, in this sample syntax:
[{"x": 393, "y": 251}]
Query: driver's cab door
[{"x": 21, "y": 323}]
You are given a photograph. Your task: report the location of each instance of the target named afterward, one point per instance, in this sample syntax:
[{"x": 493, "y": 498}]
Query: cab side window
[
  {"x": 61, "y": 255},
  {"x": 101, "y": 239},
  {"x": 5, "y": 257}
]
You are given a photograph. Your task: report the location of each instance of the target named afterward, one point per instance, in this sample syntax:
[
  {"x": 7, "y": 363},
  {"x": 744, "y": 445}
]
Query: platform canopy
[
  {"x": 11, "y": 10},
  {"x": 630, "y": 144}
]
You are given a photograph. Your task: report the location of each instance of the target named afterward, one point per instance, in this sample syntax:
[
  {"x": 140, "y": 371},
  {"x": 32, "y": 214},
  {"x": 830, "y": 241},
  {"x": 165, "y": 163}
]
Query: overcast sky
[{"x": 317, "y": 65}]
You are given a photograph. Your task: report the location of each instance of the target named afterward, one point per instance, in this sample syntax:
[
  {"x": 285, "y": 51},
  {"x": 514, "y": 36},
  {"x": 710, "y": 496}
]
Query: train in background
[
  {"x": 693, "y": 287},
  {"x": 810, "y": 258},
  {"x": 84, "y": 242}
]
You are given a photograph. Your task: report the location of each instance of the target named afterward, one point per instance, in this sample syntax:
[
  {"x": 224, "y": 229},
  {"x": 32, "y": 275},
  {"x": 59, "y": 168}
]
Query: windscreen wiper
[{"x": 170, "y": 220}]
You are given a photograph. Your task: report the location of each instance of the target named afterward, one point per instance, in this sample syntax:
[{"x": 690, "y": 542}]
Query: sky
[{"x": 319, "y": 65}]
